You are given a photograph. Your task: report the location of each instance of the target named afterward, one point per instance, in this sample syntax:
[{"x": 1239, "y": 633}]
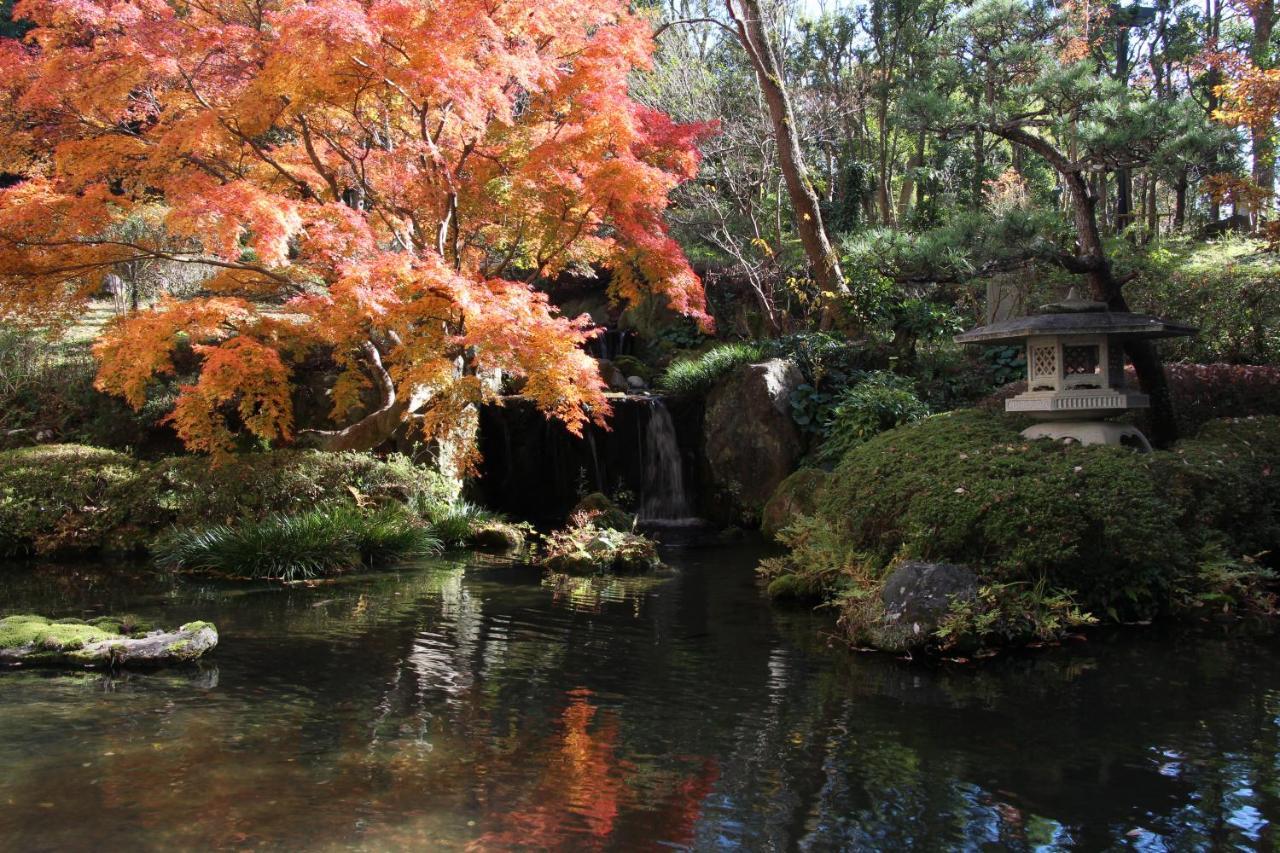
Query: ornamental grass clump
[
  {"x": 694, "y": 376},
  {"x": 323, "y": 541}
]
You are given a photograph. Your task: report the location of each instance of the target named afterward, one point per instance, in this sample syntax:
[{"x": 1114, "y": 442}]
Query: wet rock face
[
  {"x": 917, "y": 595},
  {"x": 750, "y": 441},
  {"x": 796, "y": 496}
]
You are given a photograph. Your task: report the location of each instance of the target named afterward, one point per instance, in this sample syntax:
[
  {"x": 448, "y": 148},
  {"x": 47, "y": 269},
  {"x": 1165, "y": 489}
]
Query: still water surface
[{"x": 454, "y": 704}]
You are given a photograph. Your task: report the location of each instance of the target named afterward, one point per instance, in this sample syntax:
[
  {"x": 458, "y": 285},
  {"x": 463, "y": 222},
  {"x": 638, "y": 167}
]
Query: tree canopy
[{"x": 384, "y": 179}]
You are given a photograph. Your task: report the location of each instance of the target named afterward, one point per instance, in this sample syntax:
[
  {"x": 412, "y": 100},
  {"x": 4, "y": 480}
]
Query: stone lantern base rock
[{"x": 1091, "y": 432}]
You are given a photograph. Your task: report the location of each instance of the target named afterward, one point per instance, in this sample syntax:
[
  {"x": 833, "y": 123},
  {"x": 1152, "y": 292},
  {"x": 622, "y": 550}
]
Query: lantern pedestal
[
  {"x": 1091, "y": 432},
  {"x": 1075, "y": 369}
]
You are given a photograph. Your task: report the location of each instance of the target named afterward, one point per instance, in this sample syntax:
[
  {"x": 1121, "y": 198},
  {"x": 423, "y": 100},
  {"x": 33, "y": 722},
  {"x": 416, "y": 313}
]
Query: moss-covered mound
[
  {"x": 69, "y": 499},
  {"x": 1126, "y": 533}
]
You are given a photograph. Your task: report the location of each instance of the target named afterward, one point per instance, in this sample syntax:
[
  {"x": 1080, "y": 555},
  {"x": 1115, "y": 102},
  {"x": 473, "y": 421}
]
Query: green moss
[
  {"x": 794, "y": 496},
  {"x": 793, "y": 587},
  {"x": 18, "y": 632},
  {"x": 1119, "y": 529}
]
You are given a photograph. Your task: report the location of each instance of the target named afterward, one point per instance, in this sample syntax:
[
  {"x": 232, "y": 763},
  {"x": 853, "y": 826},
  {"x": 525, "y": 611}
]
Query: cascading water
[{"x": 663, "y": 498}]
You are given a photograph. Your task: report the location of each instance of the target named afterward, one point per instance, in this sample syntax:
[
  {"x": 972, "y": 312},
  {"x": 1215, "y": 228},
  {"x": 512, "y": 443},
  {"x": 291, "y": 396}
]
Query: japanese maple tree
[{"x": 384, "y": 179}]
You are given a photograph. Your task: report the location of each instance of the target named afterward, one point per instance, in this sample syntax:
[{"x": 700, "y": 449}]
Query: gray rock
[
  {"x": 636, "y": 383},
  {"x": 750, "y": 441},
  {"x": 917, "y": 595},
  {"x": 612, "y": 376}
]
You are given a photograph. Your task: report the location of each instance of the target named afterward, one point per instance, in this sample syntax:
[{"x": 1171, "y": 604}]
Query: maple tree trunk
[
  {"x": 804, "y": 200},
  {"x": 373, "y": 429}
]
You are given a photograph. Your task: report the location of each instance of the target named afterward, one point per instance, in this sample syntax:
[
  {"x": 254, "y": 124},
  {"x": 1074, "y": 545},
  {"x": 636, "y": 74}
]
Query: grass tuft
[
  {"x": 696, "y": 375},
  {"x": 322, "y": 541}
]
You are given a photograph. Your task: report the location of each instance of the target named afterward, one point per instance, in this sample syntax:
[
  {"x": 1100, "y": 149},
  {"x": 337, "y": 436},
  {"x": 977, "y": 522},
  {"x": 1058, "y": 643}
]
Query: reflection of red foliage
[{"x": 587, "y": 794}]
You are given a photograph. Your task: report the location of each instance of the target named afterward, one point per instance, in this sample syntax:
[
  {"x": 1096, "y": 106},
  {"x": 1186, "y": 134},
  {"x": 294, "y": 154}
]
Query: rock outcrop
[
  {"x": 749, "y": 438},
  {"x": 795, "y": 496}
]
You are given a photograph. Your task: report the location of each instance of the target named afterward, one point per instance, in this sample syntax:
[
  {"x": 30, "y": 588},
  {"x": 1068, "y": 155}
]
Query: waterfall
[{"x": 663, "y": 496}]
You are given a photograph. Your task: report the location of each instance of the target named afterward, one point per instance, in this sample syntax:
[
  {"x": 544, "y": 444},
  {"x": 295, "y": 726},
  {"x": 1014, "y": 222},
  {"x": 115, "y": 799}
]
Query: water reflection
[{"x": 450, "y": 706}]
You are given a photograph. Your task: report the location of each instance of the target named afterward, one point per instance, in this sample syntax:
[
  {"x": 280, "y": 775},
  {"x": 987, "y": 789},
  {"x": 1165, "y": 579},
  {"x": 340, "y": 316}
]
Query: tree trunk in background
[
  {"x": 1263, "y": 136},
  {"x": 909, "y": 178},
  {"x": 1180, "y": 201},
  {"x": 749, "y": 20},
  {"x": 1153, "y": 215},
  {"x": 1212, "y": 80}
]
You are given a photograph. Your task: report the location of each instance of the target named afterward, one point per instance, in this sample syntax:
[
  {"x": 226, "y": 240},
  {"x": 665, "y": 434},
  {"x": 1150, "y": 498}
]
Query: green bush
[
  {"x": 70, "y": 499},
  {"x": 252, "y": 485},
  {"x": 584, "y": 548},
  {"x": 1121, "y": 530},
  {"x": 881, "y": 401},
  {"x": 322, "y": 541},
  {"x": 696, "y": 375}
]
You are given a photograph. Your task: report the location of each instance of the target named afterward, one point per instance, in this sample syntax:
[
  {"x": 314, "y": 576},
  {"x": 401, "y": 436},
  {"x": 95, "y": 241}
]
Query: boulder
[
  {"x": 916, "y": 596},
  {"x": 605, "y": 513},
  {"x": 750, "y": 441},
  {"x": 497, "y": 537},
  {"x": 101, "y": 643},
  {"x": 635, "y": 383},
  {"x": 795, "y": 496},
  {"x": 612, "y": 376}
]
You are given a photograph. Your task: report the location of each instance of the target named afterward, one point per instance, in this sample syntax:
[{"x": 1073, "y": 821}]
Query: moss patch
[
  {"x": 1121, "y": 531},
  {"x": 17, "y": 632}
]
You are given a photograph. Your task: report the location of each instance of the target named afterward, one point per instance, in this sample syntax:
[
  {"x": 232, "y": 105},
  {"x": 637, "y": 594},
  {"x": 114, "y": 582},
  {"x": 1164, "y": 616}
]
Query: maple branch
[
  {"x": 303, "y": 187},
  {"x": 145, "y": 252},
  {"x": 315, "y": 160}
]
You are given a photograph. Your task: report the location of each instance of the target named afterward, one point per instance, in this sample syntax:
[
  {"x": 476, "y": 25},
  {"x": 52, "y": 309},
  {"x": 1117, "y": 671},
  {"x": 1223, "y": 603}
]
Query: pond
[{"x": 459, "y": 703}]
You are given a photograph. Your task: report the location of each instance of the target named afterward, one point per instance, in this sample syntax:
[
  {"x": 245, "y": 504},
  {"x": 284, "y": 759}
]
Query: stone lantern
[{"x": 1075, "y": 368}]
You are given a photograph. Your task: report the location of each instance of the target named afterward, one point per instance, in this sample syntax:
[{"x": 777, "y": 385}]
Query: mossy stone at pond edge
[
  {"x": 29, "y": 639},
  {"x": 496, "y": 537}
]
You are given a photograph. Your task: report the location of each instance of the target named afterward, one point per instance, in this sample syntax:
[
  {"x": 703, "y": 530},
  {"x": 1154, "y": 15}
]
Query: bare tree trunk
[
  {"x": 1180, "y": 201},
  {"x": 749, "y": 21},
  {"x": 1263, "y": 135},
  {"x": 909, "y": 178}
]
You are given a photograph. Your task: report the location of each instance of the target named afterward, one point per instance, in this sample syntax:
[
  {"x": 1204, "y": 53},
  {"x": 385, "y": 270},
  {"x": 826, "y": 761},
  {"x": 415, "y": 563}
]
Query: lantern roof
[{"x": 1076, "y": 316}]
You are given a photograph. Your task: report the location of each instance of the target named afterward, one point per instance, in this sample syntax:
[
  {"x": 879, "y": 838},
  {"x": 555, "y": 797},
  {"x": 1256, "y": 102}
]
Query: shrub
[
  {"x": 696, "y": 375},
  {"x": 454, "y": 523},
  {"x": 72, "y": 499},
  {"x": 879, "y": 402},
  {"x": 1225, "y": 287},
  {"x": 322, "y": 541},
  {"x": 252, "y": 485},
  {"x": 1121, "y": 530}
]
